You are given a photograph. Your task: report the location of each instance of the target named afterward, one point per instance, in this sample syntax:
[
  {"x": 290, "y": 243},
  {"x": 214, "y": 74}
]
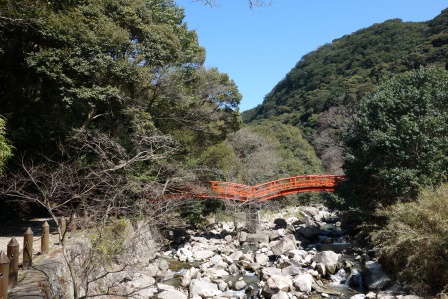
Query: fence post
[
  {"x": 4, "y": 275},
  {"x": 95, "y": 217},
  {"x": 13, "y": 255},
  {"x": 63, "y": 227},
  {"x": 86, "y": 220},
  {"x": 73, "y": 224},
  {"x": 45, "y": 240},
  {"x": 27, "y": 248}
]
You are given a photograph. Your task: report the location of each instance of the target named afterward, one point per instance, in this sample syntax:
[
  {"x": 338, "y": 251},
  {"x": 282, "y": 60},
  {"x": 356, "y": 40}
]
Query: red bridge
[{"x": 265, "y": 191}]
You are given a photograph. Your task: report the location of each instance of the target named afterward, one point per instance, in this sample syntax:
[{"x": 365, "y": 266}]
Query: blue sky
[{"x": 257, "y": 48}]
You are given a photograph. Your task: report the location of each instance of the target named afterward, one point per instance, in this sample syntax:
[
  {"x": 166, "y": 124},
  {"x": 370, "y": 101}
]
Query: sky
[{"x": 258, "y": 47}]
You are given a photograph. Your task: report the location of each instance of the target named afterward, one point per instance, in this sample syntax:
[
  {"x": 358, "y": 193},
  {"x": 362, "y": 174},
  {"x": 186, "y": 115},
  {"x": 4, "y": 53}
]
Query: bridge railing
[
  {"x": 275, "y": 188},
  {"x": 228, "y": 189},
  {"x": 292, "y": 183}
]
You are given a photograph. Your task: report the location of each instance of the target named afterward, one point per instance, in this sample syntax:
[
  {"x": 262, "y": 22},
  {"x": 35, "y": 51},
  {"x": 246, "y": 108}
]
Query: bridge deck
[
  {"x": 259, "y": 193},
  {"x": 265, "y": 191}
]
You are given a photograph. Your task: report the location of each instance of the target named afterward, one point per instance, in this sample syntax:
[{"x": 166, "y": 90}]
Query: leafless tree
[
  {"x": 252, "y": 3},
  {"x": 258, "y": 156},
  {"x": 327, "y": 139},
  {"x": 94, "y": 176}
]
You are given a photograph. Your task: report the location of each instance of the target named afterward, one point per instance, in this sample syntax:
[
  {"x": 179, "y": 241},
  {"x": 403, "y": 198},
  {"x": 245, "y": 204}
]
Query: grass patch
[{"x": 414, "y": 242}]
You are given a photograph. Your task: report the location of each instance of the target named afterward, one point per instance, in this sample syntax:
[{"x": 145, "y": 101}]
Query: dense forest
[
  {"x": 321, "y": 92},
  {"x": 100, "y": 96},
  {"x": 107, "y": 106},
  {"x": 374, "y": 105}
]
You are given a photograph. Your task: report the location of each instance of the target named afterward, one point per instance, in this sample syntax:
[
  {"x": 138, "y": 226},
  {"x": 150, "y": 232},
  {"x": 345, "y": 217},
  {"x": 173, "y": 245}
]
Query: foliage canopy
[
  {"x": 397, "y": 143},
  {"x": 5, "y": 146},
  {"x": 328, "y": 83},
  {"x": 112, "y": 90}
]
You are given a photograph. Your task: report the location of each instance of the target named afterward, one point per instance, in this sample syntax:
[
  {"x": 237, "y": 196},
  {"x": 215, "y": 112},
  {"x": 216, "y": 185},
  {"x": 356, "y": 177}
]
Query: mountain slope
[{"x": 320, "y": 93}]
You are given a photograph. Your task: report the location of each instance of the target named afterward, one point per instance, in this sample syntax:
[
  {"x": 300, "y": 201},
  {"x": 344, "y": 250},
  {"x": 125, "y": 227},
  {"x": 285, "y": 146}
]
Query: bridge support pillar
[{"x": 253, "y": 218}]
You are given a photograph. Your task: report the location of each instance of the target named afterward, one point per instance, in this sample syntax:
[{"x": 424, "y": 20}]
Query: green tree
[
  {"x": 113, "y": 66},
  {"x": 128, "y": 70},
  {"x": 397, "y": 143},
  {"x": 5, "y": 146}
]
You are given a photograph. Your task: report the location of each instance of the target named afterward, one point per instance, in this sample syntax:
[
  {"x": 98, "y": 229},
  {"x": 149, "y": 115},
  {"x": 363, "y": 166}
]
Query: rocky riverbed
[{"x": 300, "y": 252}]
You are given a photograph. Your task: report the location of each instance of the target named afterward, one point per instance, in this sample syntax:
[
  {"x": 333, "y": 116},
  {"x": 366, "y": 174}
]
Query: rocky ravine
[
  {"x": 296, "y": 253},
  {"x": 283, "y": 262}
]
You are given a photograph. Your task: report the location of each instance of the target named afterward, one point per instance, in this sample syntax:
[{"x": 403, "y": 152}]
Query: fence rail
[
  {"x": 275, "y": 188},
  {"x": 9, "y": 261}
]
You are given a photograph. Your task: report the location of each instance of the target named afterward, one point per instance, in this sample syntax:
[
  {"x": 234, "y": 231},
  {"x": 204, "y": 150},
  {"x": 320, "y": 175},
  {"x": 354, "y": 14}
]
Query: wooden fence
[{"x": 9, "y": 261}]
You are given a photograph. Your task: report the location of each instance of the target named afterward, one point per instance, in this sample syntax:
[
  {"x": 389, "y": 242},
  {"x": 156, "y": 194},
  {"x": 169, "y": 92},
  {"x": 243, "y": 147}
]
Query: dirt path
[{"x": 17, "y": 228}]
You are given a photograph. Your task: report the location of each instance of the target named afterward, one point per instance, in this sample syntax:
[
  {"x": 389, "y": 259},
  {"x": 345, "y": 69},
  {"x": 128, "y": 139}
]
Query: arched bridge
[{"x": 265, "y": 191}]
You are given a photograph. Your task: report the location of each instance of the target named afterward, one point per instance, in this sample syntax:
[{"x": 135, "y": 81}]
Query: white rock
[
  {"x": 164, "y": 287},
  {"x": 329, "y": 259},
  {"x": 171, "y": 294},
  {"x": 261, "y": 258},
  {"x": 303, "y": 282},
  {"x": 277, "y": 283},
  {"x": 280, "y": 295},
  {"x": 201, "y": 255},
  {"x": 239, "y": 285},
  {"x": 203, "y": 288}
]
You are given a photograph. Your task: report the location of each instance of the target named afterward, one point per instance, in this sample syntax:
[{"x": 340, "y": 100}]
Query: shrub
[
  {"x": 414, "y": 241},
  {"x": 397, "y": 142},
  {"x": 5, "y": 146}
]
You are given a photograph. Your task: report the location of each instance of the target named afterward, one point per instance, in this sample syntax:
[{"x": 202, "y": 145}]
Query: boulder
[
  {"x": 228, "y": 226},
  {"x": 280, "y": 295},
  {"x": 297, "y": 254},
  {"x": 239, "y": 285},
  {"x": 203, "y": 288},
  {"x": 216, "y": 273},
  {"x": 190, "y": 274},
  {"x": 248, "y": 257},
  {"x": 262, "y": 258},
  {"x": 286, "y": 244},
  {"x": 273, "y": 235},
  {"x": 321, "y": 269},
  {"x": 201, "y": 255},
  {"x": 375, "y": 277},
  {"x": 354, "y": 280},
  {"x": 252, "y": 267},
  {"x": 242, "y": 237},
  {"x": 292, "y": 270},
  {"x": 329, "y": 259},
  {"x": 215, "y": 260},
  {"x": 171, "y": 294},
  {"x": 311, "y": 211},
  {"x": 302, "y": 220},
  {"x": 276, "y": 284},
  {"x": 222, "y": 285},
  {"x": 227, "y": 259},
  {"x": 236, "y": 255},
  {"x": 184, "y": 254},
  {"x": 164, "y": 287},
  {"x": 266, "y": 273},
  {"x": 257, "y": 238},
  {"x": 303, "y": 282},
  {"x": 280, "y": 223},
  {"x": 310, "y": 232},
  {"x": 233, "y": 269}
]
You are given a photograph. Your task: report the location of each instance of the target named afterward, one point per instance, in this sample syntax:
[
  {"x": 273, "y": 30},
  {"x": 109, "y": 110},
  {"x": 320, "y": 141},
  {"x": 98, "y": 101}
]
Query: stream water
[{"x": 339, "y": 285}]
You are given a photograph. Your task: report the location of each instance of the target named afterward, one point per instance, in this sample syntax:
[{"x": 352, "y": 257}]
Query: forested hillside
[
  {"x": 105, "y": 103},
  {"x": 320, "y": 93}
]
